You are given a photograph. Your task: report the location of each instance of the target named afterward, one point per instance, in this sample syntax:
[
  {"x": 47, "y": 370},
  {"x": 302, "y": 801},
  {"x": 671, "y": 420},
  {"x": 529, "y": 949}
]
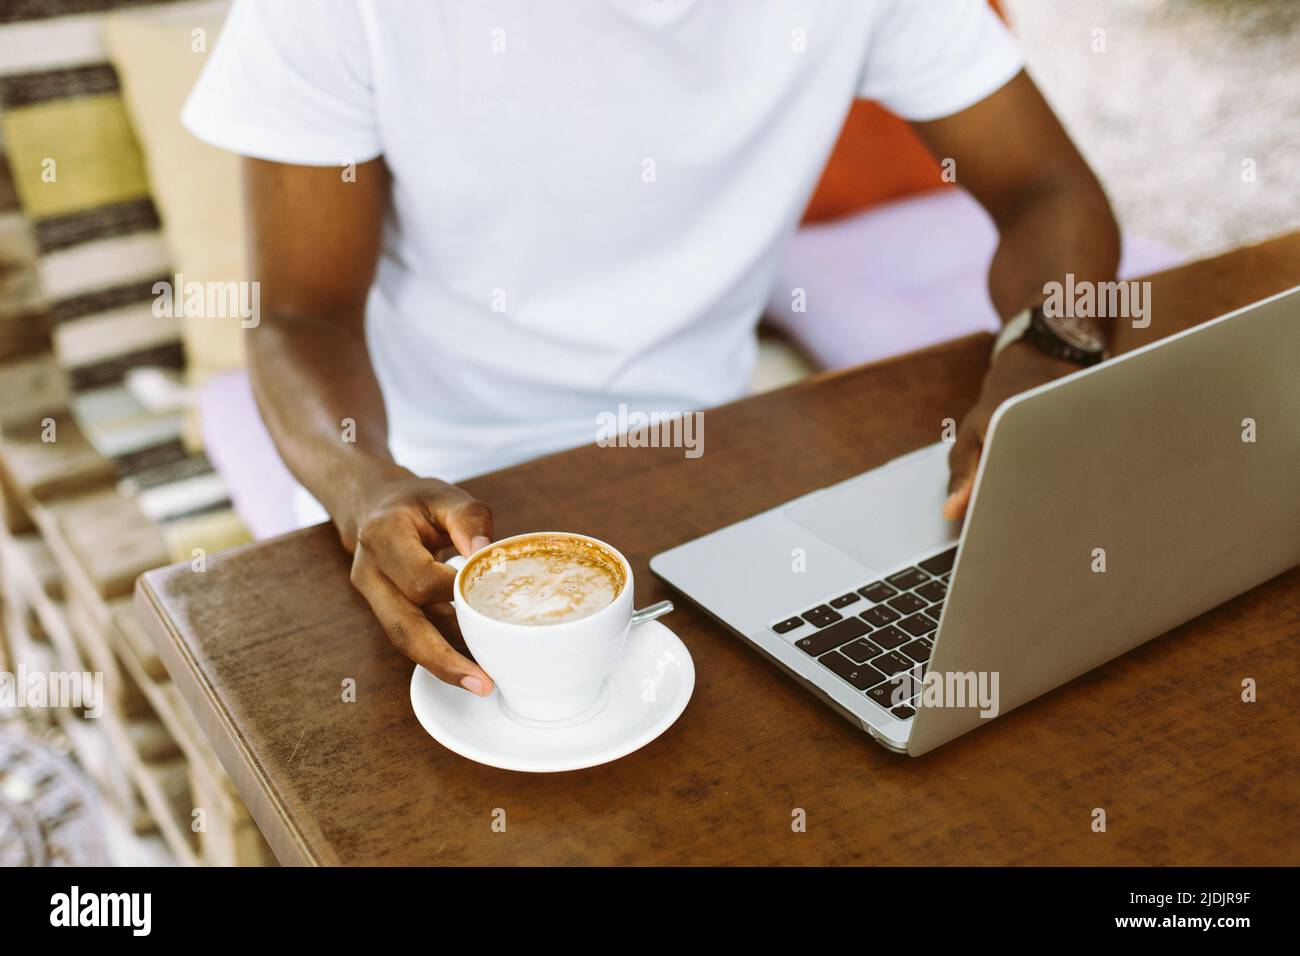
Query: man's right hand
[
  {"x": 315, "y": 240},
  {"x": 400, "y": 524}
]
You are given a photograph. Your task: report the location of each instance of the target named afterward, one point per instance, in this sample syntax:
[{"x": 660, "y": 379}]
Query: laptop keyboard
[{"x": 878, "y": 638}]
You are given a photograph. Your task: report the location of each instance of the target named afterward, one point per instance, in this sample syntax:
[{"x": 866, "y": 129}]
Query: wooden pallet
[
  {"x": 229, "y": 837},
  {"x": 30, "y": 389},
  {"x": 12, "y": 516},
  {"x": 163, "y": 784},
  {"x": 29, "y": 646},
  {"x": 48, "y": 458},
  {"x": 101, "y": 542},
  {"x": 71, "y": 548}
]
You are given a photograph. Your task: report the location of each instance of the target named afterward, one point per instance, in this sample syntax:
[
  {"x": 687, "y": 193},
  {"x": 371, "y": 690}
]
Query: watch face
[{"x": 1082, "y": 333}]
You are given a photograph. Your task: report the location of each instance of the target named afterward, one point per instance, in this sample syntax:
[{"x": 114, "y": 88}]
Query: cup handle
[{"x": 455, "y": 562}]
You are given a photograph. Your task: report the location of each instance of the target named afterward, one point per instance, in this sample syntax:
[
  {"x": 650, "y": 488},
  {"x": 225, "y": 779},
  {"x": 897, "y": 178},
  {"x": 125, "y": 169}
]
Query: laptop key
[
  {"x": 822, "y": 615},
  {"x": 832, "y": 637},
  {"x": 895, "y": 691},
  {"x": 860, "y": 651},
  {"x": 932, "y": 591},
  {"x": 844, "y": 600},
  {"x": 889, "y": 637},
  {"x": 917, "y": 625},
  {"x": 906, "y": 603},
  {"x": 880, "y": 591},
  {"x": 918, "y": 650},
  {"x": 935, "y": 611},
  {"x": 880, "y": 694},
  {"x": 789, "y": 624},
  {"x": 891, "y": 693},
  {"x": 907, "y": 579},
  {"x": 880, "y": 615},
  {"x": 940, "y": 563},
  {"x": 903, "y": 712},
  {"x": 892, "y": 663},
  {"x": 860, "y": 676}
]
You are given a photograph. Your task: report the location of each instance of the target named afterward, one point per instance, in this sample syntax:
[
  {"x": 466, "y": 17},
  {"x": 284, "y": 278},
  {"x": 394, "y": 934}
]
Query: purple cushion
[
  {"x": 240, "y": 448},
  {"x": 900, "y": 277}
]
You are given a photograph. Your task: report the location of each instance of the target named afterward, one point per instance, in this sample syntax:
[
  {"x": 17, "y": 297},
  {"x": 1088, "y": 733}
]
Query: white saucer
[{"x": 646, "y": 692}]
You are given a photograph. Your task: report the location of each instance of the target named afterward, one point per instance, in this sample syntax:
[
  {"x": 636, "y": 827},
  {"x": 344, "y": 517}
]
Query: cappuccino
[{"x": 542, "y": 579}]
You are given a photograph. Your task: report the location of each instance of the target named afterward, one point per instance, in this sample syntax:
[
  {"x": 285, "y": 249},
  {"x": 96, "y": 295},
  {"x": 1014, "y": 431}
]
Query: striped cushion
[
  {"x": 79, "y": 176},
  {"x": 24, "y": 320},
  {"x": 80, "y": 179}
]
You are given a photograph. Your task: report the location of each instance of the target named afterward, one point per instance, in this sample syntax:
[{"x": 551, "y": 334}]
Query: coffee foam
[{"x": 544, "y": 579}]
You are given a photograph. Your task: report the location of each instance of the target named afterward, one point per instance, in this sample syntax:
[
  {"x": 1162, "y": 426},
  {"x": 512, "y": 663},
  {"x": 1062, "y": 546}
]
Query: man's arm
[
  {"x": 1053, "y": 218},
  {"x": 315, "y": 244}
]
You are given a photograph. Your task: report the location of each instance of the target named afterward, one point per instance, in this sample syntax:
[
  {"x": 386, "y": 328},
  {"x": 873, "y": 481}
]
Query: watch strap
[{"x": 1012, "y": 331}]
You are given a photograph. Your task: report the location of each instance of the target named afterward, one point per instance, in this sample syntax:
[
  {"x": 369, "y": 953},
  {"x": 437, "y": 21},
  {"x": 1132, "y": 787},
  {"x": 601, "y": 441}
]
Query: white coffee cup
[{"x": 547, "y": 672}]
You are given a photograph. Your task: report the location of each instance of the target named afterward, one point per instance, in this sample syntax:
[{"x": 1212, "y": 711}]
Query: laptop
[{"x": 1109, "y": 506}]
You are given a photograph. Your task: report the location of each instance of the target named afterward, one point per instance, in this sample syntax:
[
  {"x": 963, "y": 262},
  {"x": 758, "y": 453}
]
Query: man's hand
[
  {"x": 315, "y": 240},
  {"x": 401, "y": 523},
  {"x": 1018, "y": 368},
  {"x": 1011, "y": 153}
]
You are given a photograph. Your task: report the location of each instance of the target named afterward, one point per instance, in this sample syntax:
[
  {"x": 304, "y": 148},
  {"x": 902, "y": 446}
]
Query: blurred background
[
  {"x": 129, "y": 438},
  {"x": 1185, "y": 92}
]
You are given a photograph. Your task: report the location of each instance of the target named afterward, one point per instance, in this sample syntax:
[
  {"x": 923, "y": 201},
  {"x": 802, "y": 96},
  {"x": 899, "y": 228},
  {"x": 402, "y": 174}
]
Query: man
[{"x": 548, "y": 209}]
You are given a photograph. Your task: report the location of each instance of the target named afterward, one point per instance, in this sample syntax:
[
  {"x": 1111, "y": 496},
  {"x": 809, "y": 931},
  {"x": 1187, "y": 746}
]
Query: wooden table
[{"x": 261, "y": 642}]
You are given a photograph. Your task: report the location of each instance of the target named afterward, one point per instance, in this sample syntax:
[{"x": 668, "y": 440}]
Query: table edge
[{"x": 286, "y": 840}]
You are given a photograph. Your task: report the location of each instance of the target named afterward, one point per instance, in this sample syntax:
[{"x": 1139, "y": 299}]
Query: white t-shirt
[{"x": 589, "y": 196}]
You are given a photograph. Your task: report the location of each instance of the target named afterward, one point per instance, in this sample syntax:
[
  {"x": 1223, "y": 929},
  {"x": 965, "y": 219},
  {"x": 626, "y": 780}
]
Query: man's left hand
[{"x": 1018, "y": 368}]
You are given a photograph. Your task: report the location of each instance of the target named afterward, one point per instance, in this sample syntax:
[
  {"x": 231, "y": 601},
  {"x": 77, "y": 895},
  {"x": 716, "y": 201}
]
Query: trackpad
[{"x": 885, "y": 517}]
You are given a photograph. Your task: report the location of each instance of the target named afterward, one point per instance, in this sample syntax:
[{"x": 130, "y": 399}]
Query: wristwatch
[{"x": 1076, "y": 339}]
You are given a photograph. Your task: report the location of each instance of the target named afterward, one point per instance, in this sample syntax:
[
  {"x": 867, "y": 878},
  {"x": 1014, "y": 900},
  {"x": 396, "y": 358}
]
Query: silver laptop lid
[{"x": 1176, "y": 468}]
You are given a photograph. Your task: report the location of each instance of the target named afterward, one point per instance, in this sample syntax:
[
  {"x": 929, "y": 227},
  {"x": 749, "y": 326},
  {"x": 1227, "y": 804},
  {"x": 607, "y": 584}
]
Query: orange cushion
[{"x": 877, "y": 158}]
